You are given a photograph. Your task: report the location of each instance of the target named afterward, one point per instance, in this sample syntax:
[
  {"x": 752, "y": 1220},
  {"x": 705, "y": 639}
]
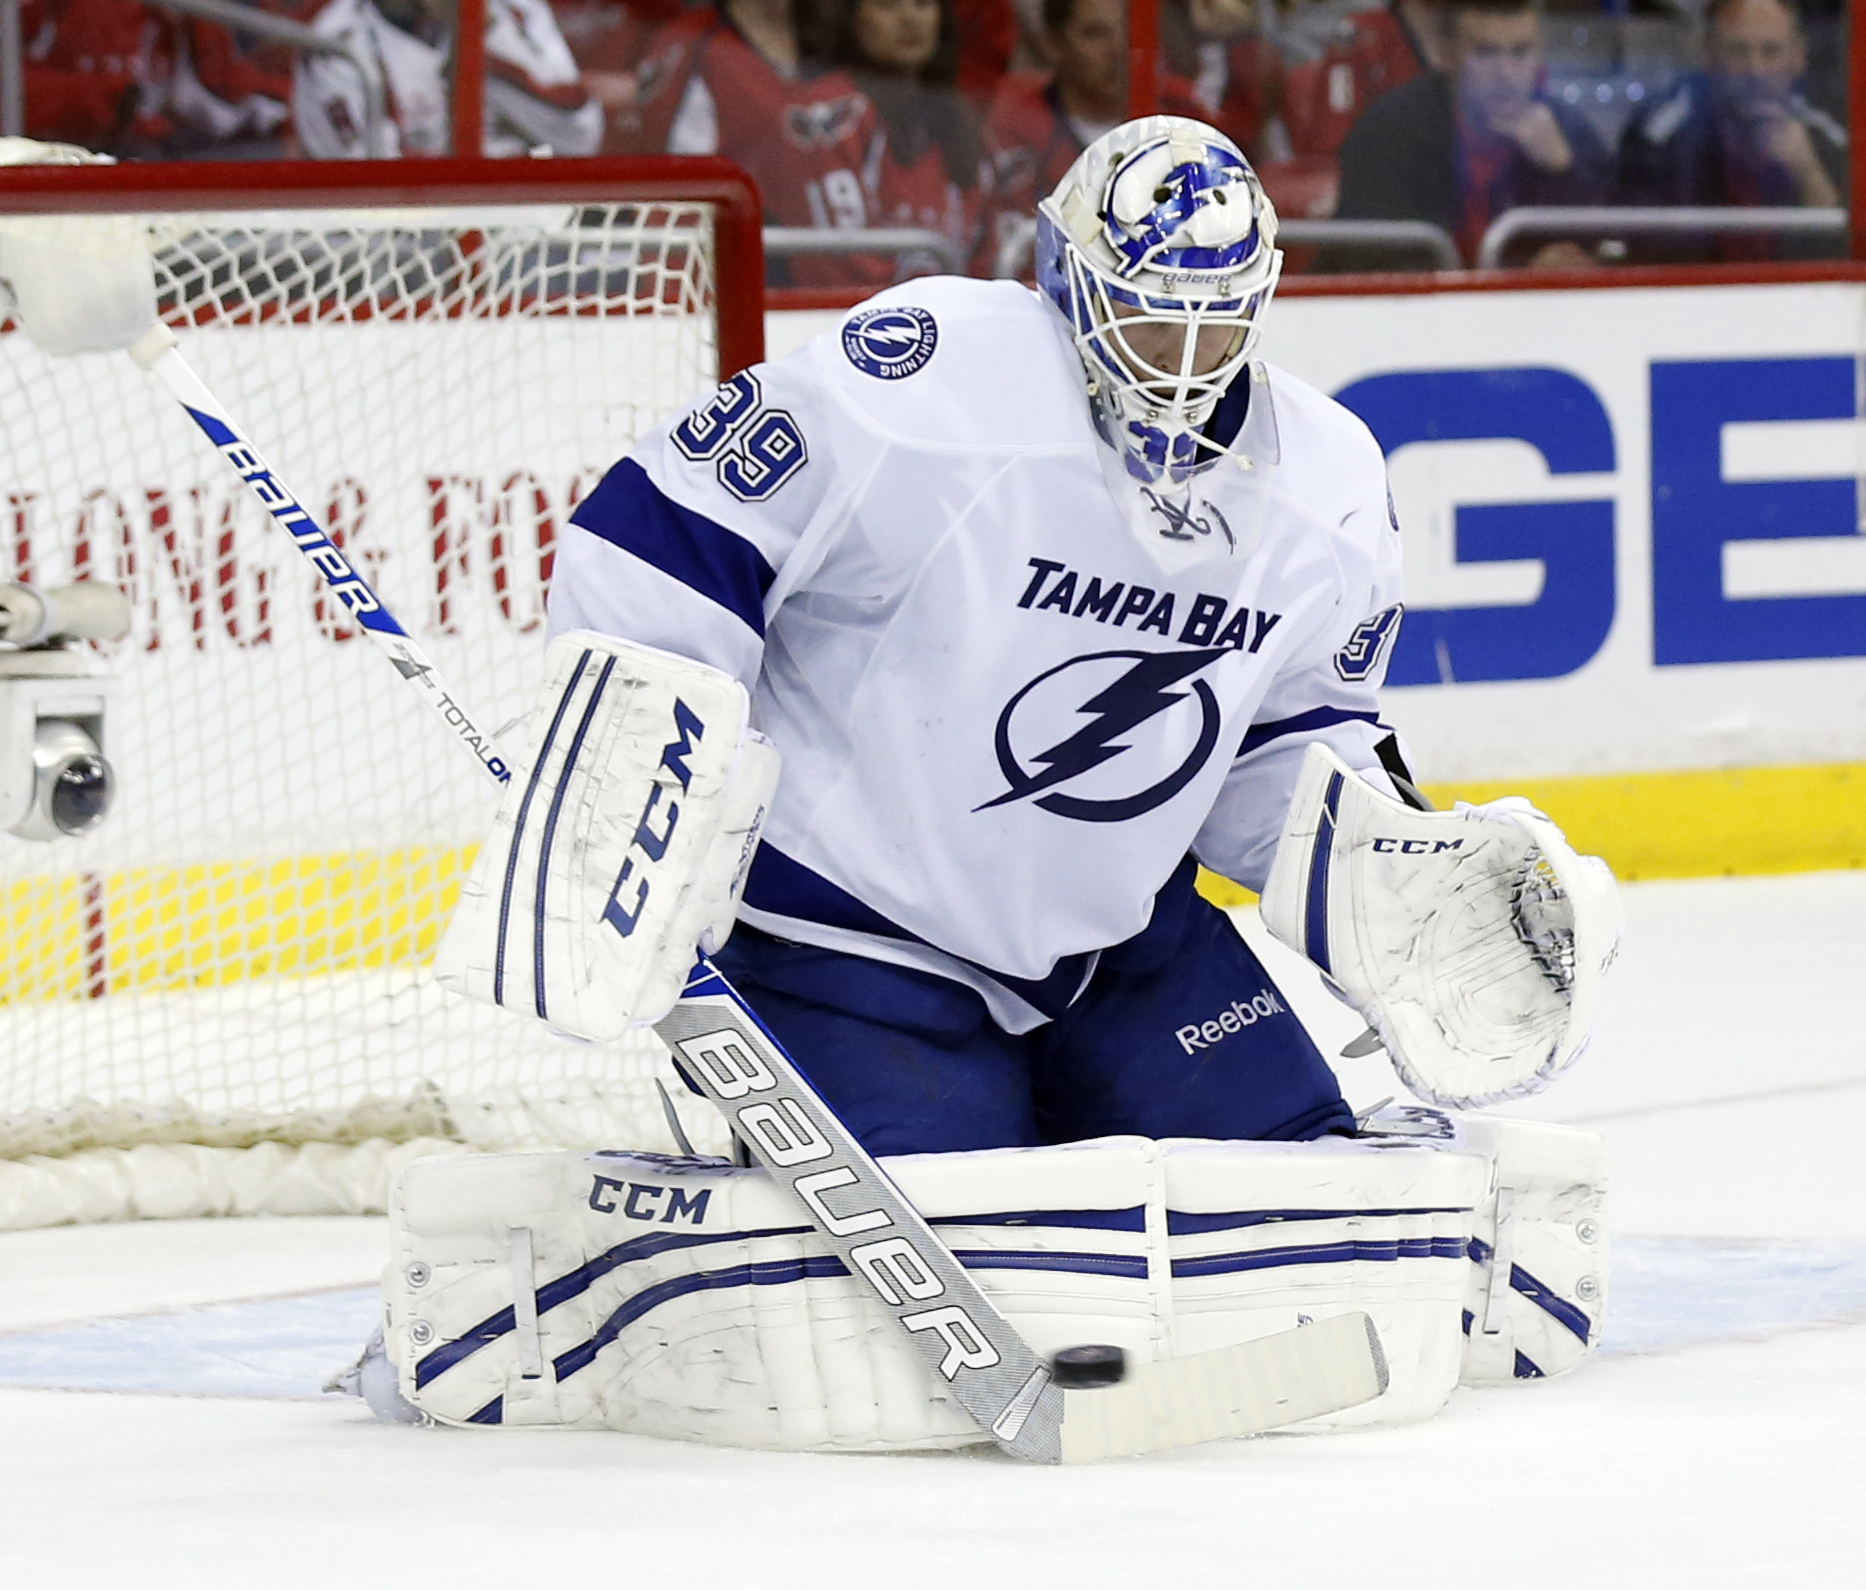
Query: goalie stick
[
  {"x": 726, "y": 1052},
  {"x": 157, "y": 353}
]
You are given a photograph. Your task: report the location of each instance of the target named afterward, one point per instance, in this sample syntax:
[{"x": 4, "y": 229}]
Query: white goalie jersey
[{"x": 1011, "y": 686}]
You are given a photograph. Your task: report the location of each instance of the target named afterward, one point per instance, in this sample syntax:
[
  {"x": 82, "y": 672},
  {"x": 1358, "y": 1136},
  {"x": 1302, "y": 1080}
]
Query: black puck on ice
[{"x": 1095, "y": 1365}]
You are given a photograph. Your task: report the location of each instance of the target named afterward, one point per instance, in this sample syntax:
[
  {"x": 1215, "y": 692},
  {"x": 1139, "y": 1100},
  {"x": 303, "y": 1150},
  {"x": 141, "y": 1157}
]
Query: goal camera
[{"x": 54, "y": 779}]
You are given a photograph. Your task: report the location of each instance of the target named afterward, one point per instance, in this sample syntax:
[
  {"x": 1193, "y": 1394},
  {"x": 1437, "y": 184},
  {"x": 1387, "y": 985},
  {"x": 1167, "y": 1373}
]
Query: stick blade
[{"x": 1233, "y": 1391}]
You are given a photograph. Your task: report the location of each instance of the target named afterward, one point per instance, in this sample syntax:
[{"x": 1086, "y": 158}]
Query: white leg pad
[
  {"x": 1539, "y": 1272},
  {"x": 689, "y": 1299}
]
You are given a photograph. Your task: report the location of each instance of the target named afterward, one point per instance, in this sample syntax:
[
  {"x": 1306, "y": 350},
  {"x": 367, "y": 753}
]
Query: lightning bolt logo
[
  {"x": 890, "y": 344},
  {"x": 1143, "y": 692}
]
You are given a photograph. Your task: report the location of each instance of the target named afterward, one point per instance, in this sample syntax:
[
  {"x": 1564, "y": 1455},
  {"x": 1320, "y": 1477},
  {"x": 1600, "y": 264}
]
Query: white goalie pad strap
[
  {"x": 1537, "y": 1286},
  {"x": 686, "y": 1299},
  {"x": 1473, "y": 941},
  {"x": 621, "y": 846},
  {"x": 78, "y": 283},
  {"x": 1540, "y": 1252}
]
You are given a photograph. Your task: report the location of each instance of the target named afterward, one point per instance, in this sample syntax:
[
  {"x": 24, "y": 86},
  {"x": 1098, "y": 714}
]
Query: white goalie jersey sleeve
[{"x": 681, "y": 544}]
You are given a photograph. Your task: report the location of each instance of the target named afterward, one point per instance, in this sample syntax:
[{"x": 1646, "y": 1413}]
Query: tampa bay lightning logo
[
  {"x": 890, "y": 344},
  {"x": 1106, "y": 705}
]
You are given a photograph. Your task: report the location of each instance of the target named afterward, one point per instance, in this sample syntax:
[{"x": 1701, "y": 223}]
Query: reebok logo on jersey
[
  {"x": 1209, "y": 620},
  {"x": 1243, "y": 1013}
]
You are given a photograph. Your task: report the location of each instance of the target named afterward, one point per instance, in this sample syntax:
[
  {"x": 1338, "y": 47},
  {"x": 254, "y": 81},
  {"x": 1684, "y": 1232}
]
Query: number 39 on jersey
[{"x": 754, "y": 449}]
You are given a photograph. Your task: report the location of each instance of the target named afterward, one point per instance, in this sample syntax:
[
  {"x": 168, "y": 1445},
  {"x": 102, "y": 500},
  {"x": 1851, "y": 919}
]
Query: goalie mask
[{"x": 1159, "y": 248}]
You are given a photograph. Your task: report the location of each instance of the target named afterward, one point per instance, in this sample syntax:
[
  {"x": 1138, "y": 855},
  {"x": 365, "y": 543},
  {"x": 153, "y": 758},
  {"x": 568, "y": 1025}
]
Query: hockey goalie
[{"x": 1041, "y": 599}]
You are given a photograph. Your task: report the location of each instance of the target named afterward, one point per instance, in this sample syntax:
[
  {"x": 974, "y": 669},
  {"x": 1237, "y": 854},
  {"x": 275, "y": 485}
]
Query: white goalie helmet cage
[{"x": 1160, "y": 222}]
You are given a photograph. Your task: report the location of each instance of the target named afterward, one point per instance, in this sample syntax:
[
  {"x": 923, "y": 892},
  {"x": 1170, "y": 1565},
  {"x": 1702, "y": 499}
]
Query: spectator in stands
[
  {"x": 123, "y": 79},
  {"x": 94, "y": 73},
  {"x": 533, "y": 96},
  {"x": 1222, "y": 69},
  {"x": 1336, "y": 66},
  {"x": 1460, "y": 147},
  {"x": 739, "y": 81},
  {"x": 1739, "y": 133},
  {"x": 228, "y": 93},
  {"x": 925, "y": 166},
  {"x": 987, "y": 41},
  {"x": 1039, "y": 122},
  {"x": 611, "y": 40},
  {"x": 1333, "y": 66}
]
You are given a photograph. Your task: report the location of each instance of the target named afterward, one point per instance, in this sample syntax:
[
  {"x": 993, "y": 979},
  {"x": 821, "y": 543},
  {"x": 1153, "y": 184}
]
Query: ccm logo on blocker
[{"x": 1243, "y": 1013}]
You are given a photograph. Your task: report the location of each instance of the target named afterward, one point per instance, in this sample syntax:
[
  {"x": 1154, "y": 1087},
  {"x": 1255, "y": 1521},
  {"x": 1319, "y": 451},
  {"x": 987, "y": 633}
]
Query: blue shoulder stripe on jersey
[
  {"x": 1261, "y": 734},
  {"x": 629, "y": 511},
  {"x": 786, "y": 887}
]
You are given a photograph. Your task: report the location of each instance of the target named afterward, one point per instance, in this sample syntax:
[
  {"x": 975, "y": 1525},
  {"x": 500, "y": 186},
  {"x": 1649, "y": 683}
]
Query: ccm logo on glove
[{"x": 1416, "y": 847}]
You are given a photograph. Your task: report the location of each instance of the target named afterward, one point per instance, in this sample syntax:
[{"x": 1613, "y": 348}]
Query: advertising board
[{"x": 1635, "y": 566}]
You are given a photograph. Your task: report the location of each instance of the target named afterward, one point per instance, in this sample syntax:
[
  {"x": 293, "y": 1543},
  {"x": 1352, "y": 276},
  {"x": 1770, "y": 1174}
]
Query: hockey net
[{"x": 218, "y": 1000}]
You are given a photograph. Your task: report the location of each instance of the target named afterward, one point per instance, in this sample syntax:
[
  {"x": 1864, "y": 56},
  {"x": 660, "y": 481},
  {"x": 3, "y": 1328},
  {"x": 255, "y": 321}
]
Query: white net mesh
[{"x": 237, "y": 953}]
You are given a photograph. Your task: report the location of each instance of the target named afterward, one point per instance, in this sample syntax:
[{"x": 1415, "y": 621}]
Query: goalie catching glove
[
  {"x": 620, "y": 848},
  {"x": 78, "y": 283},
  {"x": 1473, "y": 941}
]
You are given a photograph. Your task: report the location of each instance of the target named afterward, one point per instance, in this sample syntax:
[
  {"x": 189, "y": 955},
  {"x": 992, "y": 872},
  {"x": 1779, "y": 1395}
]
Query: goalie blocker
[
  {"x": 621, "y": 847},
  {"x": 684, "y": 1298},
  {"x": 1473, "y": 942}
]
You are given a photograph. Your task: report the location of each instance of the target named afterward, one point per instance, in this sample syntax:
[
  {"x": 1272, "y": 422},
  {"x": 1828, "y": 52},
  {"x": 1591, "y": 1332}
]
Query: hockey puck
[{"x": 1095, "y": 1365}]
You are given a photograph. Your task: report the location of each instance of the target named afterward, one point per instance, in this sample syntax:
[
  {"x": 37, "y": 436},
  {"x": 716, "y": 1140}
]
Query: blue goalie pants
[{"x": 1179, "y": 1033}]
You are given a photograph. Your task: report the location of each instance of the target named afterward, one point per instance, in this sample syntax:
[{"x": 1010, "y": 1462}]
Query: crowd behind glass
[{"x": 953, "y": 117}]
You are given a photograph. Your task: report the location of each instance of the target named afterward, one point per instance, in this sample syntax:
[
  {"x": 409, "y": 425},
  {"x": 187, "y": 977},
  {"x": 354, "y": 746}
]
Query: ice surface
[
  {"x": 277, "y": 1347},
  {"x": 1719, "y": 1438},
  {"x": 1668, "y": 1292}
]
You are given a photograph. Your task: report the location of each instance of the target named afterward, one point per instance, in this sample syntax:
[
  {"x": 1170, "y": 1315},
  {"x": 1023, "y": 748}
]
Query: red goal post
[
  {"x": 174, "y": 186},
  {"x": 216, "y": 1001}
]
